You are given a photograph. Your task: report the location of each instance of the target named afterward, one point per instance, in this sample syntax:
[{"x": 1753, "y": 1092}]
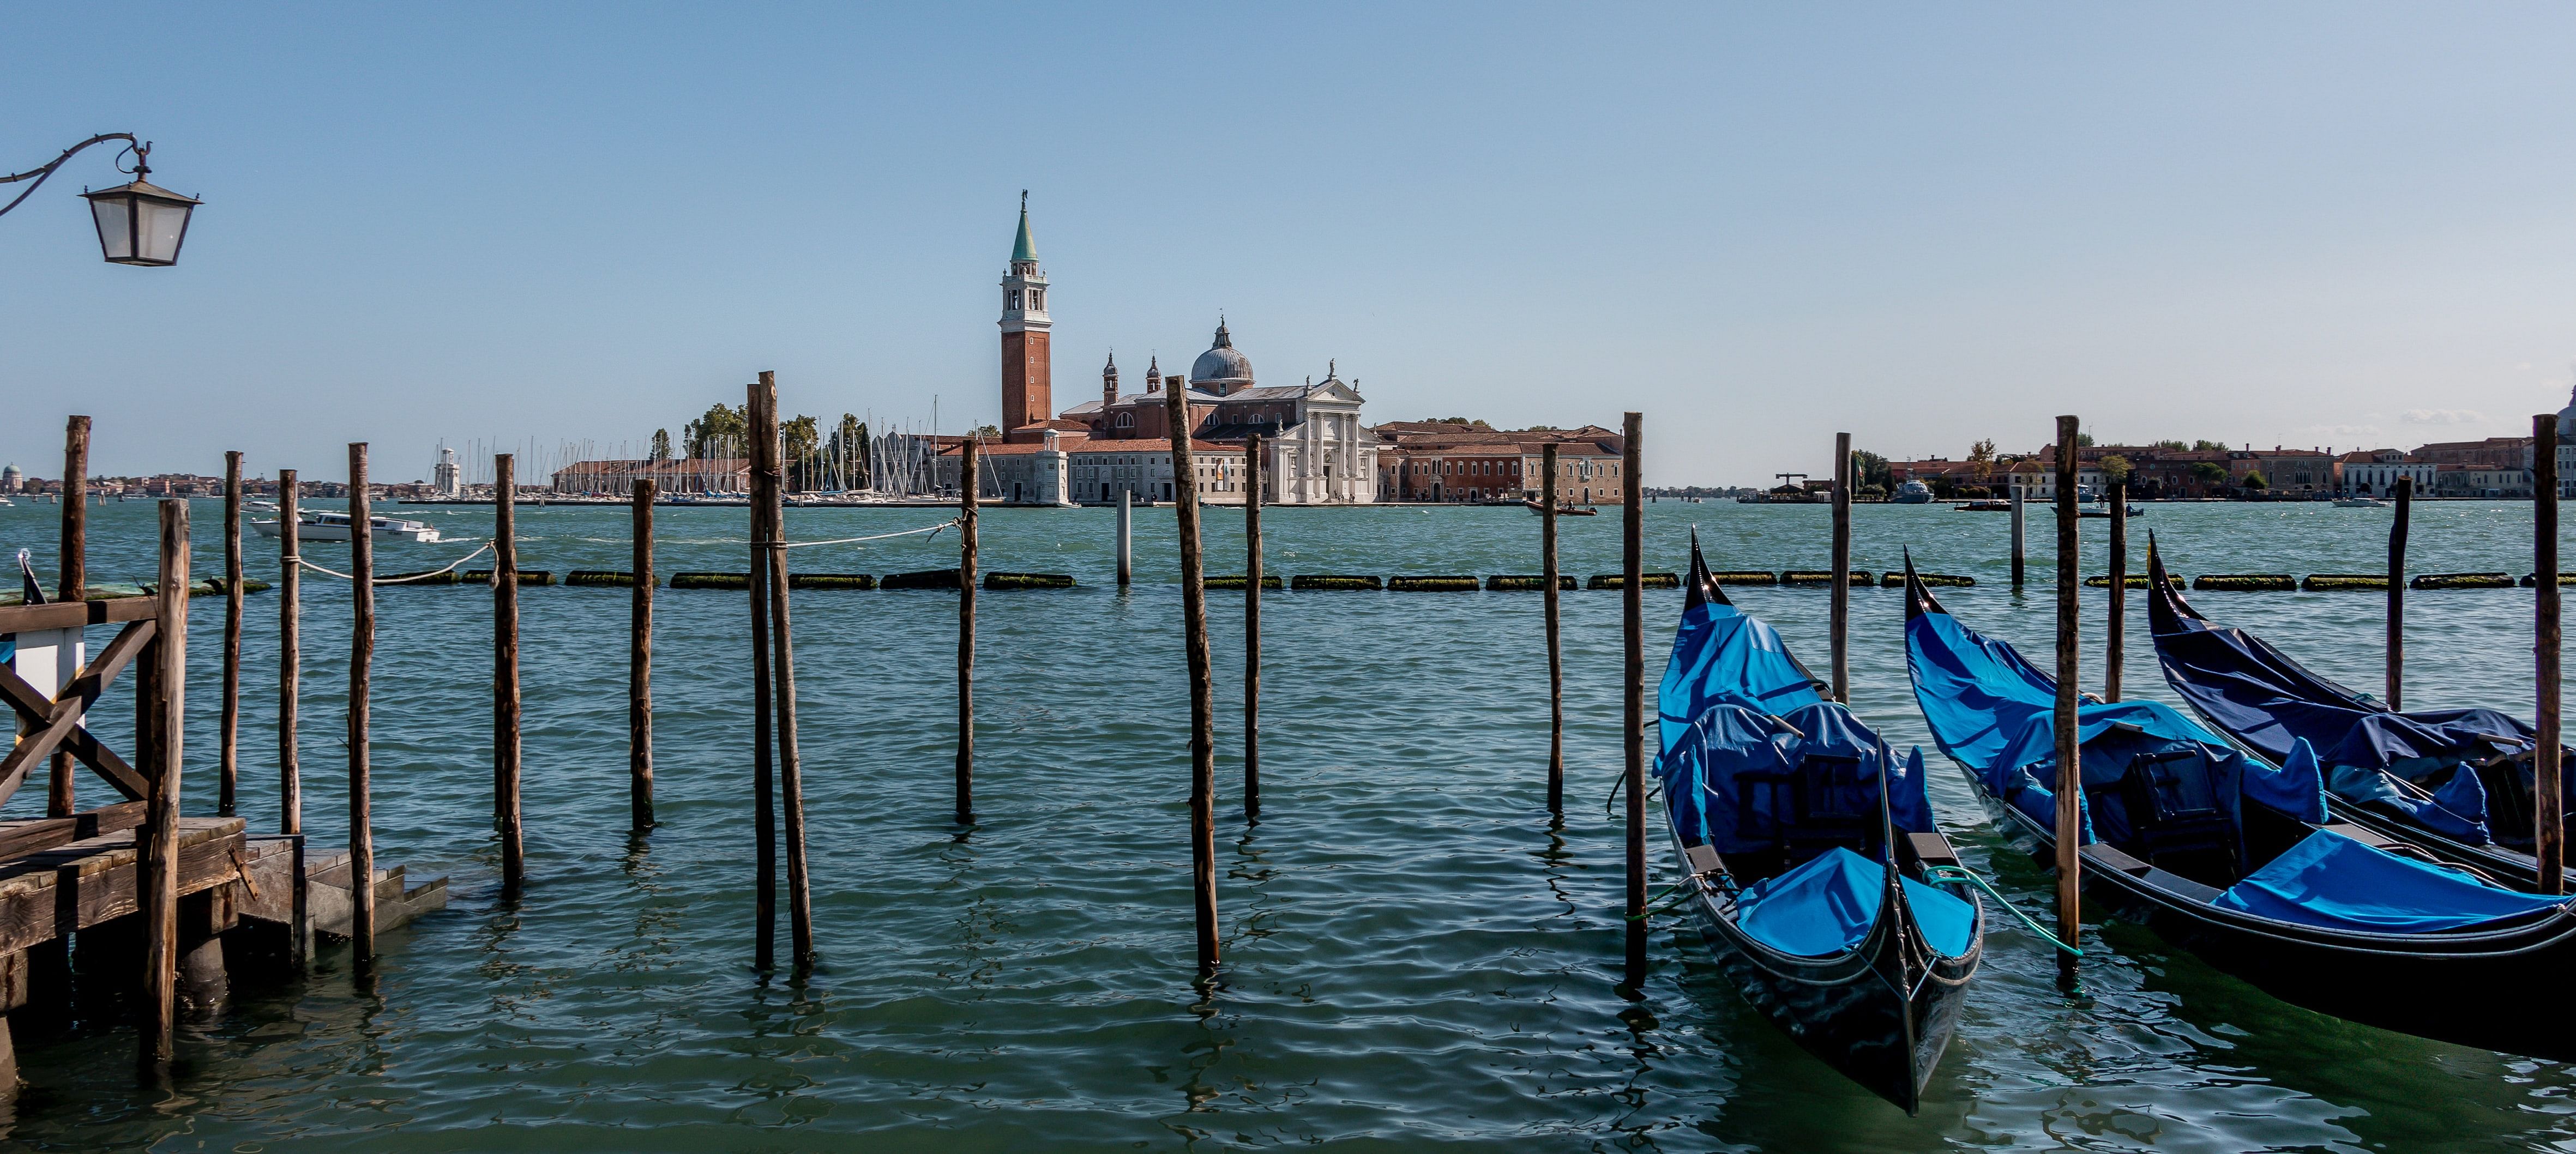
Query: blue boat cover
[
  {"x": 2333, "y": 882},
  {"x": 1742, "y": 781},
  {"x": 2267, "y": 701},
  {"x": 1720, "y": 654},
  {"x": 1828, "y": 905},
  {"x": 1992, "y": 710}
]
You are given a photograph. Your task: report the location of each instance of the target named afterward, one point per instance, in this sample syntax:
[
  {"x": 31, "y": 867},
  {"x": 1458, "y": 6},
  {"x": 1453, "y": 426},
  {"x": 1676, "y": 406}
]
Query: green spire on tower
[{"x": 1024, "y": 250}]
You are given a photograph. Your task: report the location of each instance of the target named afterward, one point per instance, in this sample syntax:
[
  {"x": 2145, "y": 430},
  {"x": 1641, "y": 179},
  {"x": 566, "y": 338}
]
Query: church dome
[
  {"x": 1222, "y": 364},
  {"x": 2566, "y": 418}
]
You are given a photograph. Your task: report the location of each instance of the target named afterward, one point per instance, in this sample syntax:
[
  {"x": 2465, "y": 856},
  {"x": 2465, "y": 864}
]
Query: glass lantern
[{"x": 140, "y": 223}]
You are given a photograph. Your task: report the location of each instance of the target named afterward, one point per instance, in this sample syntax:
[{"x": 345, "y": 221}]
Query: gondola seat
[
  {"x": 2334, "y": 882},
  {"x": 2174, "y": 817}
]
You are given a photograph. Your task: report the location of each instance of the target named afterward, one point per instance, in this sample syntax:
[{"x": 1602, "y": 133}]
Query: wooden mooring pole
[
  {"x": 769, "y": 471},
  {"x": 1202, "y": 689},
  {"x": 1632, "y": 690},
  {"x": 1839, "y": 623},
  {"x": 1126, "y": 536},
  {"x": 157, "y": 843},
  {"x": 639, "y": 666},
  {"x": 2070, "y": 775},
  {"x": 2548, "y": 803},
  {"x": 2016, "y": 535},
  {"x": 362, "y": 656},
  {"x": 290, "y": 656},
  {"x": 971, "y": 480},
  {"x": 764, "y": 901},
  {"x": 505, "y": 674},
  {"x": 1555, "y": 648},
  {"x": 2116, "y": 627},
  {"x": 74, "y": 567},
  {"x": 228, "y": 755},
  {"x": 2405, "y": 490},
  {"x": 1252, "y": 627}
]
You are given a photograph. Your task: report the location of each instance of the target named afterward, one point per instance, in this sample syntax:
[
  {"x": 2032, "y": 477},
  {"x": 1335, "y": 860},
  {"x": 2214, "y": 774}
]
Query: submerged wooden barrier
[
  {"x": 1001, "y": 580},
  {"x": 930, "y": 579},
  {"x": 2245, "y": 582},
  {"x": 1322, "y": 581},
  {"x": 1894, "y": 580},
  {"x": 831, "y": 580},
  {"x": 710, "y": 580},
  {"x": 1410, "y": 583},
  {"x": 1644, "y": 581},
  {"x": 2462, "y": 581},
  {"x": 2332, "y": 582},
  {"x": 1747, "y": 577},
  {"x": 526, "y": 577},
  {"x": 1526, "y": 583},
  {"x": 1238, "y": 581},
  {"x": 2127, "y": 580},
  {"x": 602, "y": 579},
  {"x": 1816, "y": 578}
]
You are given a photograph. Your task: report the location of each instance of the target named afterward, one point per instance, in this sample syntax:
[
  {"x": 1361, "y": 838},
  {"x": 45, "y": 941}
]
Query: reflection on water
[{"x": 1416, "y": 951}]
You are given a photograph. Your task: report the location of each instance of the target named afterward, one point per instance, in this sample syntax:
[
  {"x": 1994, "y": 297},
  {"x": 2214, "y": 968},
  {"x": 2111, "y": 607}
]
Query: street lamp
[{"x": 138, "y": 223}]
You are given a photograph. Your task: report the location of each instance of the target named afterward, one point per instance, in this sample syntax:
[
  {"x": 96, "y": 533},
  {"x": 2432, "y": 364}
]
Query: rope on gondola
[
  {"x": 1949, "y": 873},
  {"x": 403, "y": 580}
]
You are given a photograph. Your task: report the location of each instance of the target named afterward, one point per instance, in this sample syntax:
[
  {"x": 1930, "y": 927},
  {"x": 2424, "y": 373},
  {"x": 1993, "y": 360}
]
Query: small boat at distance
[
  {"x": 1561, "y": 510},
  {"x": 2360, "y": 503},
  {"x": 335, "y": 527},
  {"x": 1814, "y": 861}
]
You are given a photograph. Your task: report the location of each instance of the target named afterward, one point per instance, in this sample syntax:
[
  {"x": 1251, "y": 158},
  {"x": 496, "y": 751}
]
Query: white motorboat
[
  {"x": 2360, "y": 503},
  {"x": 335, "y": 527},
  {"x": 1913, "y": 493}
]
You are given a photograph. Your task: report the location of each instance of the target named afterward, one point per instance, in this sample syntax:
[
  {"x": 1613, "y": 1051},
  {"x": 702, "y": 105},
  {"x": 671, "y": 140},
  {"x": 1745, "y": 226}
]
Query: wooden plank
[
  {"x": 74, "y": 614},
  {"x": 82, "y": 884},
  {"x": 35, "y": 835},
  {"x": 62, "y": 725}
]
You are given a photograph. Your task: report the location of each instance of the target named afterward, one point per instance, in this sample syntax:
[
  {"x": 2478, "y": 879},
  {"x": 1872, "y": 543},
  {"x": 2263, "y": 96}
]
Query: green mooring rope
[{"x": 1947, "y": 873}]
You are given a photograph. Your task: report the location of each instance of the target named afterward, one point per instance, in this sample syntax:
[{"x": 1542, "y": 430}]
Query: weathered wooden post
[
  {"x": 505, "y": 674},
  {"x": 1126, "y": 533},
  {"x": 1252, "y": 627},
  {"x": 362, "y": 655},
  {"x": 2405, "y": 490},
  {"x": 1202, "y": 690},
  {"x": 74, "y": 567},
  {"x": 2548, "y": 803},
  {"x": 639, "y": 665},
  {"x": 2070, "y": 776},
  {"x": 1840, "y": 623},
  {"x": 769, "y": 472},
  {"x": 1555, "y": 650},
  {"x": 970, "y": 469},
  {"x": 290, "y": 656},
  {"x": 2016, "y": 534},
  {"x": 157, "y": 843},
  {"x": 229, "y": 750},
  {"x": 2117, "y": 627},
  {"x": 764, "y": 950},
  {"x": 1632, "y": 689}
]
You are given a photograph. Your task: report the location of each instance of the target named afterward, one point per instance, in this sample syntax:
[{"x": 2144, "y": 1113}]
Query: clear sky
[{"x": 2282, "y": 223}]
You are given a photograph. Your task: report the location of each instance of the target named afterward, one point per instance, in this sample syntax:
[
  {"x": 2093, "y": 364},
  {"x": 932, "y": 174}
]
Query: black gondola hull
[
  {"x": 2449, "y": 987},
  {"x": 1853, "y": 1011}
]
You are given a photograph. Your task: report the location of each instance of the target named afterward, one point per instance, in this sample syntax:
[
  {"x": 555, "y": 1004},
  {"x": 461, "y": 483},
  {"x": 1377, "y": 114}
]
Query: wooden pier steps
[{"x": 329, "y": 902}]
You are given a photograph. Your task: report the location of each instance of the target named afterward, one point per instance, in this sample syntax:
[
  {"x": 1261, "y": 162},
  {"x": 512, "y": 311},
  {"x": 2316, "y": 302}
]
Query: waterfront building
[
  {"x": 445, "y": 479},
  {"x": 2494, "y": 452},
  {"x": 2370, "y": 472},
  {"x": 1027, "y": 359},
  {"x": 2292, "y": 471},
  {"x": 1454, "y": 463},
  {"x": 11, "y": 480}
]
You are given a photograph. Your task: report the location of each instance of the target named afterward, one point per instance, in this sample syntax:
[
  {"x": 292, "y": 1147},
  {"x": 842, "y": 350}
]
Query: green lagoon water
[{"x": 1417, "y": 954}]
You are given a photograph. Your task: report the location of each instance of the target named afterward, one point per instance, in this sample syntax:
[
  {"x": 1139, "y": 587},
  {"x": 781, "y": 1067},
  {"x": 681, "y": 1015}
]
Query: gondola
[
  {"x": 2238, "y": 861},
  {"x": 1811, "y": 852},
  {"x": 2455, "y": 781}
]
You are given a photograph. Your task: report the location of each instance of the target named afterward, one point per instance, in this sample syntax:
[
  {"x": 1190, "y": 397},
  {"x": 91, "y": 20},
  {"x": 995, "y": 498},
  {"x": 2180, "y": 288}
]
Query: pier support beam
[
  {"x": 156, "y": 879},
  {"x": 1126, "y": 535},
  {"x": 2548, "y": 804},
  {"x": 228, "y": 749},
  {"x": 1252, "y": 627},
  {"x": 639, "y": 666},
  {"x": 505, "y": 674},
  {"x": 73, "y": 562},
  {"x": 2016, "y": 535},
  {"x": 2405, "y": 490},
  {"x": 362, "y": 657},
  {"x": 1555, "y": 647},
  {"x": 969, "y": 468},
  {"x": 1632, "y": 691},
  {"x": 1202, "y": 688},
  {"x": 290, "y": 656},
  {"x": 1839, "y": 617},
  {"x": 2116, "y": 626}
]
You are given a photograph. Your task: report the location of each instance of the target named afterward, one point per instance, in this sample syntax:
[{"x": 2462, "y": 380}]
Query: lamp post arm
[{"x": 38, "y": 175}]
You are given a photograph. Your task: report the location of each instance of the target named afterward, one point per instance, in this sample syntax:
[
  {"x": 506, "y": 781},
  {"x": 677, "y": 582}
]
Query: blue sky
[{"x": 2301, "y": 224}]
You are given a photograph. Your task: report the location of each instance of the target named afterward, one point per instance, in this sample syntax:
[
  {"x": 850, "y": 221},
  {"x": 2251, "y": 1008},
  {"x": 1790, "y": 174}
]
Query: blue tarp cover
[
  {"x": 1720, "y": 654},
  {"x": 1733, "y": 779},
  {"x": 2267, "y": 701},
  {"x": 2336, "y": 883},
  {"x": 1993, "y": 710},
  {"x": 1828, "y": 905}
]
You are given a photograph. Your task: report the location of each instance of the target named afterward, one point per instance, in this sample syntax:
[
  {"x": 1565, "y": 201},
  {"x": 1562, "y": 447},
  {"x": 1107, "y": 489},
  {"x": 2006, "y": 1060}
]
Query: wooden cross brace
[{"x": 55, "y": 722}]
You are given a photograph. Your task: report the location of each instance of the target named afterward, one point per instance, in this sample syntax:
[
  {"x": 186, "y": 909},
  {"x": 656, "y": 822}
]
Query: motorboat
[
  {"x": 2360, "y": 503},
  {"x": 335, "y": 527},
  {"x": 1913, "y": 493}
]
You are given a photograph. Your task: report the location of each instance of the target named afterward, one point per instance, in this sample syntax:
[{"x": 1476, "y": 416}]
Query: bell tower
[{"x": 1026, "y": 367}]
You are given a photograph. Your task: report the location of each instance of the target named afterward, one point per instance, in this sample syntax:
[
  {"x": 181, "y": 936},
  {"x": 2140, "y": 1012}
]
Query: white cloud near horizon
[{"x": 2443, "y": 417}]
